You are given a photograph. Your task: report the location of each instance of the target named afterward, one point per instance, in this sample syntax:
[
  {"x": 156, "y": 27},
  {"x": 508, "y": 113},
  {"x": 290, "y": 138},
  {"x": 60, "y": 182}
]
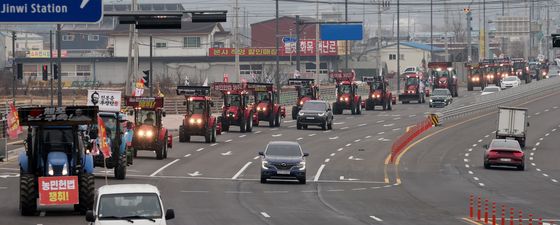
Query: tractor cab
[
  {"x": 306, "y": 90},
  {"x": 379, "y": 93},
  {"x": 504, "y": 68},
  {"x": 474, "y": 76},
  {"x": 490, "y": 71},
  {"x": 238, "y": 108},
  {"x": 266, "y": 98},
  {"x": 444, "y": 76},
  {"x": 521, "y": 69},
  {"x": 346, "y": 93},
  {"x": 55, "y": 152},
  {"x": 119, "y": 136},
  {"x": 198, "y": 120},
  {"x": 149, "y": 133}
]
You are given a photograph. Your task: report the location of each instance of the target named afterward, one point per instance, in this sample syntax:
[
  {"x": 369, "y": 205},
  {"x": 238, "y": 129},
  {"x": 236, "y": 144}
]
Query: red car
[{"x": 504, "y": 152}]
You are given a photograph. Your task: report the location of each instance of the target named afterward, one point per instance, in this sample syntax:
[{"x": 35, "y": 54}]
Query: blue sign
[
  {"x": 289, "y": 39},
  {"x": 51, "y": 11},
  {"x": 340, "y": 32}
]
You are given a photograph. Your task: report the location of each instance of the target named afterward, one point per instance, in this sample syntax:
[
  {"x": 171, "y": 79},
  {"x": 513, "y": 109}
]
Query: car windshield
[
  {"x": 233, "y": 100},
  {"x": 491, "y": 89},
  {"x": 518, "y": 65},
  {"x": 475, "y": 71},
  {"x": 344, "y": 89},
  {"x": 197, "y": 107},
  {"x": 58, "y": 139},
  {"x": 509, "y": 144},
  {"x": 283, "y": 150},
  {"x": 262, "y": 96},
  {"x": 411, "y": 81},
  {"x": 314, "y": 106},
  {"x": 441, "y": 92},
  {"x": 145, "y": 117},
  {"x": 114, "y": 206},
  {"x": 510, "y": 79},
  {"x": 305, "y": 91}
]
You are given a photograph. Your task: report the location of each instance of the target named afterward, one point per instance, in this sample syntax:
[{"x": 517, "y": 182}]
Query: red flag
[
  {"x": 14, "y": 129},
  {"x": 102, "y": 138}
]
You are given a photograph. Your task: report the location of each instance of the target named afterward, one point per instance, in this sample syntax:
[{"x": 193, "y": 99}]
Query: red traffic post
[
  {"x": 471, "y": 210},
  {"x": 511, "y": 212},
  {"x": 530, "y": 219},
  {"x": 486, "y": 211},
  {"x": 493, "y": 213},
  {"x": 540, "y": 221},
  {"x": 520, "y": 217},
  {"x": 503, "y": 215},
  {"x": 478, "y": 208}
]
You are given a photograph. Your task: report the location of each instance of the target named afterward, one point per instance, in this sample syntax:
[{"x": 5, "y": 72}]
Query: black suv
[
  {"x": 283, "y": 160},
  {"x": 318, "y": 113}
]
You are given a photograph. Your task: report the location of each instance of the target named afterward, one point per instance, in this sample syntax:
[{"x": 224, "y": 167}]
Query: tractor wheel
[
  {"x": 335, "y": 108},
  {"x": 159, "y": 151},
  {"x": 277, "y": 120},
  {"x": 165, "y": 147},
  {"x": 271, "y": 119},
  {"x": 213, "y": 135},
  {"x": 298, "y": 126},
  {"x": 295, "y": 112},
  {"x": 134, "y": 153},
  {"x": 384, "y": 105},
  {"x": 27, "y": 195},
  {"x": 389, "y": 107},
  {"x": 129, "y": 156},
  {"x": 369, "y": 105},
  {"x": 324, "y": 125},
  {"x": 359, "y": 105},
  {"x": 87, "y": 190},
  {"x": 182, "y": 134},
  {"x": 469, "y": 87},
  {"x": 120, "y": 169},
  {"x": 329, "y": 125},
  {"x": 242, "y": 124},
  {"x": 208, "y": 136},
  {"x": 353, "y": 109},
  {"x": 249, "y": 127}
]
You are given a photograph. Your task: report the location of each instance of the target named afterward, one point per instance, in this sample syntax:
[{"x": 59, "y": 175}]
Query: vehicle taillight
[
  {"x": 493, "y": 153},
  {"x": 518, "y": 154}
]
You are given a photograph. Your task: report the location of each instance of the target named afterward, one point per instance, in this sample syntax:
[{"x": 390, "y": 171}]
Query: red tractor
[
  {"x": 306, "y": 90},
  {"x": 237, "y": 109},
  {"x": 267, "y": 108},
  {"x": 414, "y": 89},
  {"x": 379, "y": 94},
  {"x": 474, "y": 77},
  {"x": 149, "y": 133},
  {"x": 505, "y": 66},
  {"x": 198, "y": 120},
  {"x": 490, "y": 71},
  {"x": 444, "y": 76},
  {"x": 347, "y": 96}
]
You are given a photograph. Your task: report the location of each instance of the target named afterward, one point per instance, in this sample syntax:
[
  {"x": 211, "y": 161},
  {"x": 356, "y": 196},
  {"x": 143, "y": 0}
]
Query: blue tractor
[
  {"x": 55, "y": 149},
  {"x": 119, "y": 136}
]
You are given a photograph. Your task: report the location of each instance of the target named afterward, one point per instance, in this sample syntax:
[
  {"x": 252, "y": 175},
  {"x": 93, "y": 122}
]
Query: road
[{"x": 348, "y": 180}]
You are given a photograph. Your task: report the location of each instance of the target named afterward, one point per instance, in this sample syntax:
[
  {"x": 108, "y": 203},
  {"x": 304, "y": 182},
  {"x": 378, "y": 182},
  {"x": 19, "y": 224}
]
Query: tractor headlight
[
  {"x": 431, "y": 100},
  {"x": 341, "y": 99},
  {"x": 51, "y": 171},
  {"x": 264, "y": 164},
  {"x": 141, "y": 133},
  {"x": 301, "y": 102},
  {"x": 149, "y": 133},
  {"x": 65, "y": 169},
  {"x": 345, "y": 99},
  {"x": 301, "y": 165}
]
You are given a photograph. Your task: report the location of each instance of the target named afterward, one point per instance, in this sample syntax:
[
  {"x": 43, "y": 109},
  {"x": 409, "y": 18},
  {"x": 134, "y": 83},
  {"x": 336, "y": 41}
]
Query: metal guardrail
[{"x": 491, "y": 102}]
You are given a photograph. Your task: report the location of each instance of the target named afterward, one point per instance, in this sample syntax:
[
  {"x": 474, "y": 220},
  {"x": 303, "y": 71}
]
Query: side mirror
[
  {"x": 305, "y": 154},
  {"x": 163, "y": 113},
  {"x": 131, "y": 112},
  {"x": 184, "y": 102},
  {"x": 528, "y": 124},
  {"x": 485, "y": 146},
  {"x": 93, "y": 133},
  {"x": 261, "y": 153},
  {"x": 211, "y": 104},
  {"x": 169, "y": 214},
  {"x": 89, "y": 216}
]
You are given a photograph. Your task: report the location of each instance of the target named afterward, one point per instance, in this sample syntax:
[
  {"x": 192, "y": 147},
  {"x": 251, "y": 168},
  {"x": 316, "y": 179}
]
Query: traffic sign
[
  {"x": 289, "y": 40},
  {"x": 51, "y": 11}
]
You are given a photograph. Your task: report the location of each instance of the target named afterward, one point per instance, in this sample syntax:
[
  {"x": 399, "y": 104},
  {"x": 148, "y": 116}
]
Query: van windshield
[{"x": 119, "y": 206}]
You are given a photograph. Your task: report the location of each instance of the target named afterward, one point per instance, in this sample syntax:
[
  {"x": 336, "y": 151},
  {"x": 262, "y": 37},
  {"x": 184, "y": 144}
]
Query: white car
[
  {"x": 509, "y": 82},
  {"x": 490, "y": 89},
  {"x": 127, "y": 204}
]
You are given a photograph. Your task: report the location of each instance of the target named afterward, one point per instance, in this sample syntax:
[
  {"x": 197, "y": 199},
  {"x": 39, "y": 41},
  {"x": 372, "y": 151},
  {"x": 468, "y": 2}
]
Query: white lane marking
[
  {"x": 546, "y": 135},
  {"x": 476, "y": 178},
  {"x": 340, "y": 149},
  {"x": 229, "y": 140},
  {"x": 299, "y": 139},
  {"x": 200, "y": 149},
  {"x": 546, "y": 110},
  {"x": 467, "y": 166},
  {"x": 538, "y": 113},
  {"x": 381, "y": 133},
  {"x": 481, "y": 184},
  {"x": 214, "y": 144},
  {"x": 256, "y": 157},
  {"x": 544, "y": 174},
  {"x": 226, "y": 153},
  {"x": 327, "y": 131},
  {"x": 265, "y": 215},
  {"x": 258, "y": 132},
  {"x": 466, "y": 160},
  {"x": 195, "y": 174},
  {"x": 367, "y": 137},
  {"x": 396, "y": 129},
  {"x": 289, "y": 121},
  {"x": 241, "y": 170},
  {"x": 363, "y": 124},
  {"x": 412, "y": 115},
  {"x": 319, "y": 171},
  {"x": 398, "y": 118},
  {"x": 539, "y": 170},
  {"x": 355, "y": 158},
  {"x": 335, "y": 190},
  {"x": 383, "y": 139},
  {"x": 554, "y": 180},
  {"x": 467, "y": 154},
  {"x": 534, "y": 149},
  {"x": 474, "y": 145},
  {"x": 333, "y": 138},
  {"x": 341, "y": 177},
  {"x": 348, "y": 145},
  {"x": 471, "y": 172},
  {"x": 333, "y": 154},
  {"x": 538, "y": 143},
  {"x": 357, "y": 140},
  {"x": 276, "y": 135},
  {"x": 3, "y": 188},
  {"x": 163, "y": 167},
  {"x": 533, "y": 164},
  {"x": 311, "y": 135},
  {"x": 339, "y": 123},
  {"x": 359, "y": 189},
  {"x": 470, "y": 149},
  {"x": 531, "y": 158},
  {"x": 540, "y": 139},
  {"x": 381, "y": 121},
  {"x": 275, "y": 192},
  {"x": 376, "y": 218},
  {"x": 529, "y": 117},
  {"x": 487, "y": 136},
  {"x": 273, "y": 129},
  {"x": 194, "y": 191},
  {"x": 389, "y": 125},
  {"x": 242, "y": 136},
  {"x": 480, "y": 140},
  {"x": 327, "y": 160},
  {"x": 238, "y": 192},
  {"x": 344, "y": 128},
  {"x": 553, "y": 130},
  {"x": 187, "y": 155},
  {"x": 532, "y": 154}
]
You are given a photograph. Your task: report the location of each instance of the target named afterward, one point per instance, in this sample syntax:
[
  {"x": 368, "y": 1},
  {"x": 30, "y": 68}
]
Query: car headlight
[
  {"x": 341, "y": 99},
  {"x": 264, "y": 164},
  {"x": 301, "y": 113},
  {"x": 321, "y": 114},
  {"x": 431, "y": 100},
  {"x": 51, "y": 171},
  {"x": 141, "y": 133},
  {"x": 301, "y": 102},
  {"x": 149, "y": 133},
  {"x": 301, "y": 165},
  {"x": 345, "y": 99},
  {"x": 65, "y": 169}
]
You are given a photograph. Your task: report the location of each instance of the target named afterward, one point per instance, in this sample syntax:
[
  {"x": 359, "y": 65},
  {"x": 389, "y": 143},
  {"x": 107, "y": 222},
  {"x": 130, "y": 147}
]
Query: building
[
  {"x": 412, "y": 54},
  {"x": 263, "y": 33}
]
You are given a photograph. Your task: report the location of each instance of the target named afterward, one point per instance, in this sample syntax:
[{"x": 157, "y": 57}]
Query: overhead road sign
[
  {"x": 340, "y": 32},
  {"x": 289, "y": 39},
  {"x": 51, "y": 11}
]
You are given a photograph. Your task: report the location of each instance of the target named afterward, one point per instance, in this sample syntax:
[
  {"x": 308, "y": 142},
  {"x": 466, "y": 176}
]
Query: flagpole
[{"x": 105, "y": 165}]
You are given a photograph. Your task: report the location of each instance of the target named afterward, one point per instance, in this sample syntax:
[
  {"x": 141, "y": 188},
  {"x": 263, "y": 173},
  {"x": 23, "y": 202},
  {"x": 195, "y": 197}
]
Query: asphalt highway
[{"x": 348, "y": 179}]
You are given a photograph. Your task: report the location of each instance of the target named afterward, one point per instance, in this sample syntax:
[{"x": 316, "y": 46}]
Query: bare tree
[
  {"x": 458, "y": 28},
  {"x": 516, "y": 49}
]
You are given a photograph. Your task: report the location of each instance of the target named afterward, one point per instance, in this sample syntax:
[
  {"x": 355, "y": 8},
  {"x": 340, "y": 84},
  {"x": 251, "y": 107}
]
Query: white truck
[
  {"x": 512, "y": 124},
  {"x": 128, "y": 203}
]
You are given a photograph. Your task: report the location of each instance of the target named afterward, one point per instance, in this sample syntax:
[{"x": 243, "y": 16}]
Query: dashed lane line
[
  {"x": 200, "y": 149},
  {"x": 187, "y": 155},
  {"x": 229, "y": 140},
  {"x": 376, "y": 218},
  {"x": 256, "y": 157},
  {"x": 327, "y": 160},
  {"x": 241, "y": 170},
  {"x": 265, "y": 215},
  {"x": 319, "y": 171},
  {"x": 163, "y": 167},
  {"x": 214, "y": 144}
]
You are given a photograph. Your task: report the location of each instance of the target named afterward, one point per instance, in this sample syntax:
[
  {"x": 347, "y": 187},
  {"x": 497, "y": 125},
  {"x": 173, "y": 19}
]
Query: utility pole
[
  {"x": 346, "y": 42},
  {"x": 379, "y": 39},
  {"x": 51, "y": 66},
  {"x": 151, "y": 80},
  {"x": 277, "y": 73},
  {"x": 445, "y": 33},
  {"x": 531, "y": 29},
  {"x": 237, "y": 75},
  {"x": 431, "y": 30},
  {"x": 298, "y": 58},
  {"x": 547, "y": 42},
  {"x": 504, "y": 45},
  {"x": 14, "y": 72},
  {"x": 59, "y": 62},
  {"x": 129, "y": 63},
  {"x": 469, "y": 35},
  {"x": 487, "y": 53},
  {"x": 398, "y": 47},
  {"x": 317, "y": 44}
]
